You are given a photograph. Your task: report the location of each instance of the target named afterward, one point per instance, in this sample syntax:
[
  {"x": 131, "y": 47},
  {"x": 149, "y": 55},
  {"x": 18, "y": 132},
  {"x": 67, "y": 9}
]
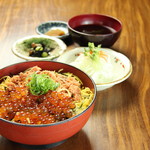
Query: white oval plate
[
  {"x": 58, "y": 50},
  {"x": 121, "y": 64}
]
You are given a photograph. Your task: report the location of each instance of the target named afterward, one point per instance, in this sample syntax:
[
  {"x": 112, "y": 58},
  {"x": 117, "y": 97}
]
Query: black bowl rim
[
  {"x": 54, "y": 21},
  {"x": 60, "y": 122},
  {"x": 99, "y": 35}
]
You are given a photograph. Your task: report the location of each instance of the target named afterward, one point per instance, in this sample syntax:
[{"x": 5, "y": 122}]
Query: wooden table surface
[{"x": 121, "y": 117}]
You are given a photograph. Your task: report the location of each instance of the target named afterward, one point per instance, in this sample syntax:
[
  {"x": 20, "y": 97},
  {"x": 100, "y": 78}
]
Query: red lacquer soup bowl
[
  {"x": 44, "y": 134},
  {"x": 97, "y": 28}
]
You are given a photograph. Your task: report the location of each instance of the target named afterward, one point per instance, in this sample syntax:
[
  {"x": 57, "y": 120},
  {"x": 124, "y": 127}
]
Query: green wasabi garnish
[
  {"x": 41, "y": 83},
  {"x": 92, "y": 51}
]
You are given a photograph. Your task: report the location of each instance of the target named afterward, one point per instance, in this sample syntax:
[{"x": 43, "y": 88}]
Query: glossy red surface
[
  {"x": 48, "y": 133},
  {"x": 106, "y": 40}
]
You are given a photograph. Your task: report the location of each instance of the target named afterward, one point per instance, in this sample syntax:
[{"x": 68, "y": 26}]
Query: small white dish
[
  {"x": 44, "y": 27},
  {"x": 21, "y": 50},
  {"x": 122, "y": 67}
]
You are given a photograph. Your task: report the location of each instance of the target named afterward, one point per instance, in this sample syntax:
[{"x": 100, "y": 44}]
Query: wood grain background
[{"x": 121, "y": 118}]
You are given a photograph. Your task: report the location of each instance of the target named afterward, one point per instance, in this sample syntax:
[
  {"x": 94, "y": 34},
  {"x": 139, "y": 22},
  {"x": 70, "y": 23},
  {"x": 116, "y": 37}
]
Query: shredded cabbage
[{"x": 95, "y": 63}]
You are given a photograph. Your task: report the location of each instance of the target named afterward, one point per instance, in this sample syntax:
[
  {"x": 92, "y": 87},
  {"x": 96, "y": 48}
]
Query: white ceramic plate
[
  {"x": 121, "y": 64},
  {"x": 58, "y": 45},
  {"x": 49, "y": 25}
]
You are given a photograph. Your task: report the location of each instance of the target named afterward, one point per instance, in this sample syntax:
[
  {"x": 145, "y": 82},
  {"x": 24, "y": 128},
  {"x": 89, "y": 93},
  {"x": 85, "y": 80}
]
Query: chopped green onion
[{"x": 41, "y": 83}]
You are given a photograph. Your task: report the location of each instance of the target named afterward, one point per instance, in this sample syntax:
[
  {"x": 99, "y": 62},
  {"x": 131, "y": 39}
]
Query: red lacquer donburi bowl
[{"x": 48, "y": 133}]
